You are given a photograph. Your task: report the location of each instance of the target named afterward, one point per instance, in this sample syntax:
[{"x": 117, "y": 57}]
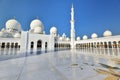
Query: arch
[
  {"x": 3, "y": 45},
  {"x": 16, "y": 45},
  {"x": 92, "y": 45},
  {"x": 32, "y": 45},
  {"x": 98, "y": 44},
  {"x": 39, "y": 44},
  {"x": 101, "y": 44},
  {"x": 119, "y": 44},
  {"x": 12, "y": 45},
  {"x": 46, "y": 44},
  {"x": 56, "y": 45},
  {"x": 69, "y": 46},
  {"x": 109, "y": 45},
  {"x": 114, "y": 44},
  {"x": 77, "y": 46},
  {"x": 105, "y": 44},
  {"x": 89, "y": 45},
  {"x": 8, "y": 45}
]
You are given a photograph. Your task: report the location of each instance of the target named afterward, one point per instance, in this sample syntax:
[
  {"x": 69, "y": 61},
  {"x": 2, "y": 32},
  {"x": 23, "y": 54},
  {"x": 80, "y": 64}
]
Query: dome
[
  {"x": 38, "y": 30},
  {"x": 85, "y": 37},
  {"x": 36, "y": 23},
  {"x": 17, "y": 35},
  {"x": 78, "y": 38},
  {"x": 13, "y": 25},
  {"x": 94, "y": 35},
  {"x": 53, "y": 30},
  {"x": 107, "y": 33}
]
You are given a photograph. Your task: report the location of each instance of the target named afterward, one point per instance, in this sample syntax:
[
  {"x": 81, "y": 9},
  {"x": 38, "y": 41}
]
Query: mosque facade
[{"x": 12, "y": 36}]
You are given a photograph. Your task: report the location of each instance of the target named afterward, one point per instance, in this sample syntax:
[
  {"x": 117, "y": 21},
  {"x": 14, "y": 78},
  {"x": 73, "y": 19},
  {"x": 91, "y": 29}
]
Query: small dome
[
  {"x": 85, "y": 37},
  {"x": 36, "y": 23},
  {"x": 53, "y": 30},
  {"x": 67, "y": 39},
  {"x": 64, "y": 35},
  {"x": 94, "y": 35},
  {"x": 17, "y": 35},
  {"x": 107, "y": 33},
  {"x": 78, "y": 38},
  {"x": 13, "y": 25},
  {"x": 38, "y": 30},
  {"x": 60, "y": 38}
]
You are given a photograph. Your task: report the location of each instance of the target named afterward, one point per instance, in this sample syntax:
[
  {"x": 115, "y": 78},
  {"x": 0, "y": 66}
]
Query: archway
[
  {"x": 56, "y": 45},
  {"x": 92, "y": 45},
  {"x": 8, "y": 45},
  {"x": 32, "y": 45},
  {"x": 89, "y": 45},
  {"x": 109, "y": 44},
  {"x": 3, "y": 45},
  {"x": 105, "y": 44},
  {"x": 98, "y": 45},
  {"x": 39, "y": 44},
  {"x": 12, "y": 45},
  {"x": 119, "y": 44},
  {"x": 16, "y": 45},
  {"x": 101, "y": 44},
  {"x": 114, "y": 44},
  {"x": 45, "y": 45}
]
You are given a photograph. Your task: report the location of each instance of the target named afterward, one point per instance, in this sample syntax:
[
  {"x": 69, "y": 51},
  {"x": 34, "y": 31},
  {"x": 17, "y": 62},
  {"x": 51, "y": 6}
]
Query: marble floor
[{"x": 63, "y": 65}]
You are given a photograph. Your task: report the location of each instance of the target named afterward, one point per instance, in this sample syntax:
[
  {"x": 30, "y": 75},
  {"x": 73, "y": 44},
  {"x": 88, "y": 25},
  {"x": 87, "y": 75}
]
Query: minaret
[{"x": 72, "y": 21}]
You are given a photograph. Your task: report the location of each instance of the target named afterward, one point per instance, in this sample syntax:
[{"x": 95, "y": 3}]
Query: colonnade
[
  {"x": 9, "y": 49},
  {"x": 62, "y": 46},
  {"x": 38, "y": 45},
  {"x": 9, "y": 45},
  {"x": 110, "y": 44}
]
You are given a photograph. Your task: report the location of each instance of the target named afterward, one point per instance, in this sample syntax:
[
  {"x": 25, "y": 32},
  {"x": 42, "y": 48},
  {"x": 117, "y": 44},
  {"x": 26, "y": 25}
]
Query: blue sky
[{"x": 90, "y": 15}]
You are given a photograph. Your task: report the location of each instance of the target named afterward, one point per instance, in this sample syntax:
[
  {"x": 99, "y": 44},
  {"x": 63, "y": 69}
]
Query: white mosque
[{"x": 14, "y": 37}]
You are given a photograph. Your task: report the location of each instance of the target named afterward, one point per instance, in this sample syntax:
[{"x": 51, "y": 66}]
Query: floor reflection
[
  {"x": 101, "y": 51},
  {"x": 9, "y": 53},
  {"x": 85, "y": 61},
  {"x": 83, "y": 64},
  {"x": 112, "y": 73}
]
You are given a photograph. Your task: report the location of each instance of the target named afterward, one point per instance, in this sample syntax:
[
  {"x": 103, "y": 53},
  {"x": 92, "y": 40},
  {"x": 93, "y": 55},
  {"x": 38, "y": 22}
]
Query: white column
[
  {"x": 43, "y": 46},
  {"x": 35, "y": 46},
  {"x": 72, "y": 28}
]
